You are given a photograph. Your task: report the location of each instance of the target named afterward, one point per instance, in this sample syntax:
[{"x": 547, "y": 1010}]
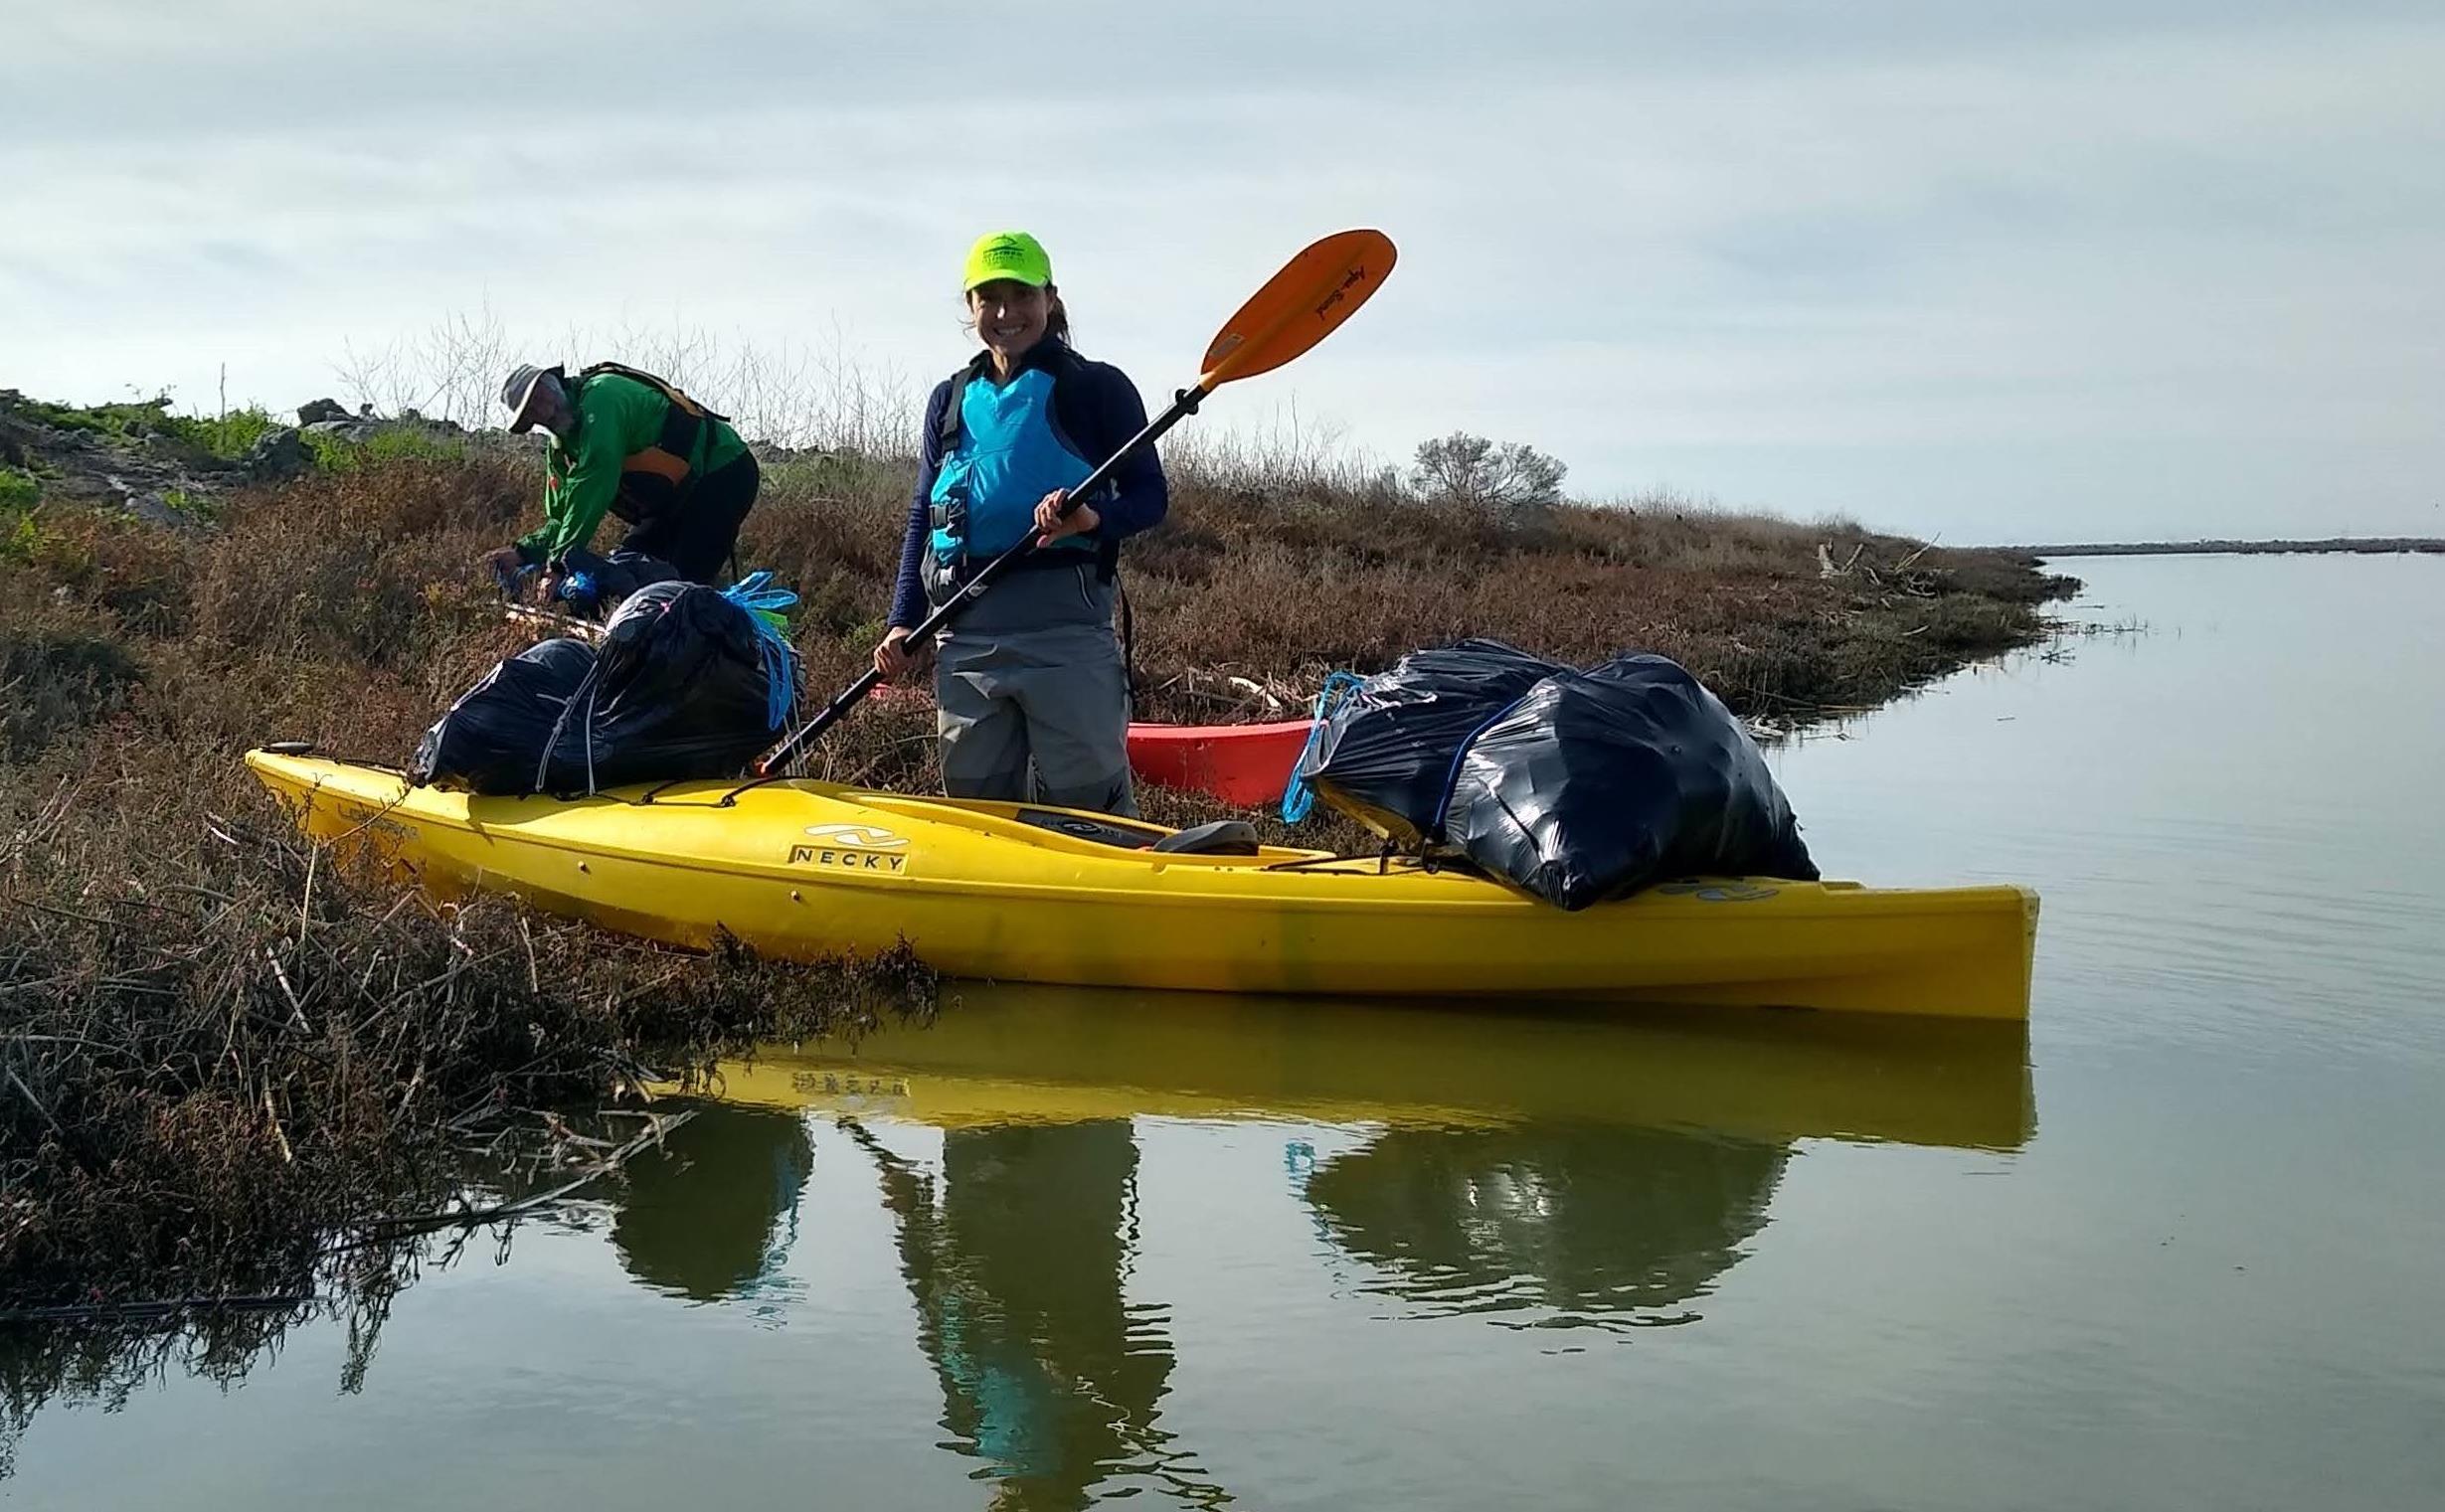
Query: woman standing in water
[{"x": 1030, "y": 674}]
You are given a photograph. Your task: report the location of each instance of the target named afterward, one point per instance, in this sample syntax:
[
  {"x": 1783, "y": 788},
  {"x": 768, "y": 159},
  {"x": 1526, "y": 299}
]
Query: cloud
[{"x": 1949, "y": 266}]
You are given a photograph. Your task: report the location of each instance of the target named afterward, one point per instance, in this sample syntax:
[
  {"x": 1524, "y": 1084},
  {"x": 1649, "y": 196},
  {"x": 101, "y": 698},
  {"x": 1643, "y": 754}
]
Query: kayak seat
[
  {"x": 1222, "y": 837},
  {"x": 1122, "y": 834}
]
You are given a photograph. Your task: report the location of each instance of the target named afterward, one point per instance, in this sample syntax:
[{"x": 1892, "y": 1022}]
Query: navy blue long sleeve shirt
[{"x": 1098, "y": 408}]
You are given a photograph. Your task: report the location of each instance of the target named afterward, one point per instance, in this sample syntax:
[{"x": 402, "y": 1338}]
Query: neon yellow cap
[{"x": 1010, "y": 255}]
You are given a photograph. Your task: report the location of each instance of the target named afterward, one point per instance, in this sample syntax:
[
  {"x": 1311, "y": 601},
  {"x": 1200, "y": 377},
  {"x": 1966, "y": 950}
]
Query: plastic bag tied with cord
[
  {"x": 1576, "y": 786},
  {"x": 687, "y": 682}
]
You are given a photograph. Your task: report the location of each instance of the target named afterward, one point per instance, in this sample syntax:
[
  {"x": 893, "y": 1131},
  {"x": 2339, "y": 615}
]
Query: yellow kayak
[{"x": 805, "y": 870}]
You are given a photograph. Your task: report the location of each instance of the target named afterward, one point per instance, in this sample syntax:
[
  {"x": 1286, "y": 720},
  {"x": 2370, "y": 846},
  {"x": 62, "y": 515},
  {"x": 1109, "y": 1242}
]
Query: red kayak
[
  {"x": 1245, "y": 765},
  {"x": 1242, "y": 765}
]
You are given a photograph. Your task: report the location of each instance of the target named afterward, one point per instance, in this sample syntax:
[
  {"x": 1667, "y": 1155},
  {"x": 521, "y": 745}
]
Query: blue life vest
[{"x": 1007, "y": 454}]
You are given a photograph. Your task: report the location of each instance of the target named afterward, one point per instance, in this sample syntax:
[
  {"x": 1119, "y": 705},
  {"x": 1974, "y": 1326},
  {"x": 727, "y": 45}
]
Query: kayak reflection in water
[
  {"x": 1583, "y": 1225},
  {"x": 1015, "y": 1257},
  {"x": 715, "y": 1216}
]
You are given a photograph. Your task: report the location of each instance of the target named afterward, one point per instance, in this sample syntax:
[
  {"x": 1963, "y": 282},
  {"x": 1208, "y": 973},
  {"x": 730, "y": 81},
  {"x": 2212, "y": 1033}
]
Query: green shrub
[
  {"x": 199, "y": 507},
  {"x": 333, "y": 453},
  {"x": 231, "y": 436},
  {"x": 228, "y": 435},
  {"x": 21, "y": 539}
]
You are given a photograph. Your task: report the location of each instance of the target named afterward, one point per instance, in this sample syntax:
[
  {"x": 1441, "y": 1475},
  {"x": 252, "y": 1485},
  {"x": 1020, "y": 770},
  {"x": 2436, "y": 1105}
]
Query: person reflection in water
[
  {"x": 1016, "y": 1257},
  {"x": 714, "y": 1218},
  {"x": 1584, "y": 1225}
]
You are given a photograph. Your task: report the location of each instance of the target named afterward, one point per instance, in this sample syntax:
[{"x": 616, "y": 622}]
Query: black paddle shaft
[{"x": 1183, "y": 405}]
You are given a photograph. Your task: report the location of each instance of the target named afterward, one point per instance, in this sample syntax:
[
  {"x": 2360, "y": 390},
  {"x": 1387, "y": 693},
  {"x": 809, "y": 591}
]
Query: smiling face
[{"x": 1012, "y": 316}]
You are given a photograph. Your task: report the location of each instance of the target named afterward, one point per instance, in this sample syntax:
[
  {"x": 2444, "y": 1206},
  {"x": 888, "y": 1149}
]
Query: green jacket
[{"x": 618, "y": 418}]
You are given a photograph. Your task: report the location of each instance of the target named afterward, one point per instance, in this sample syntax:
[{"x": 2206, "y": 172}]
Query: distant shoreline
[{"x": 2361, "y": 545}]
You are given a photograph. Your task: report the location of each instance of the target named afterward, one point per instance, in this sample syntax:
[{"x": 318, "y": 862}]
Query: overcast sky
[{"x": 2088, "y": 269}]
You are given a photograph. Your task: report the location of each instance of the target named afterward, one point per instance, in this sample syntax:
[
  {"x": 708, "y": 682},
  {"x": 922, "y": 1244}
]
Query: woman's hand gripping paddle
[{"x": 1297, "y": 308}]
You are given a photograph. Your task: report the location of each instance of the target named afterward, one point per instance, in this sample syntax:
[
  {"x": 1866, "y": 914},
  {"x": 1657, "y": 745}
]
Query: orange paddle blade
[{"x": 1298, "y": 306}]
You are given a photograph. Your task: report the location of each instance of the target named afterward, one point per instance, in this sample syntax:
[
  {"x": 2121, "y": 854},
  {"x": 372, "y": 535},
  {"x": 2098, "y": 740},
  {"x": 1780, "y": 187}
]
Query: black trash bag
[
  {"x": 685, "y": 683},
  {"x": 1386, "y": 753},
  {"x": 594, "y": 585},
  {"x": 490, "y": 739},
  {"x": 1597, "y": 785},
  {"x": 689, "y": 684},
  {"x": 1574, "y": 785}
]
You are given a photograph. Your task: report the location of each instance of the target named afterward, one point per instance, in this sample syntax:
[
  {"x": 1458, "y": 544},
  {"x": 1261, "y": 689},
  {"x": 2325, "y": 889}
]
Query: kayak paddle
[{"x": 1297, "y": 308}]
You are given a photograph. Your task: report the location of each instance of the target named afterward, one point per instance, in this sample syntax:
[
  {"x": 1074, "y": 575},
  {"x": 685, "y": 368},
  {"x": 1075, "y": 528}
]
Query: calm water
[{"x": 2179, "y": 1246}]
